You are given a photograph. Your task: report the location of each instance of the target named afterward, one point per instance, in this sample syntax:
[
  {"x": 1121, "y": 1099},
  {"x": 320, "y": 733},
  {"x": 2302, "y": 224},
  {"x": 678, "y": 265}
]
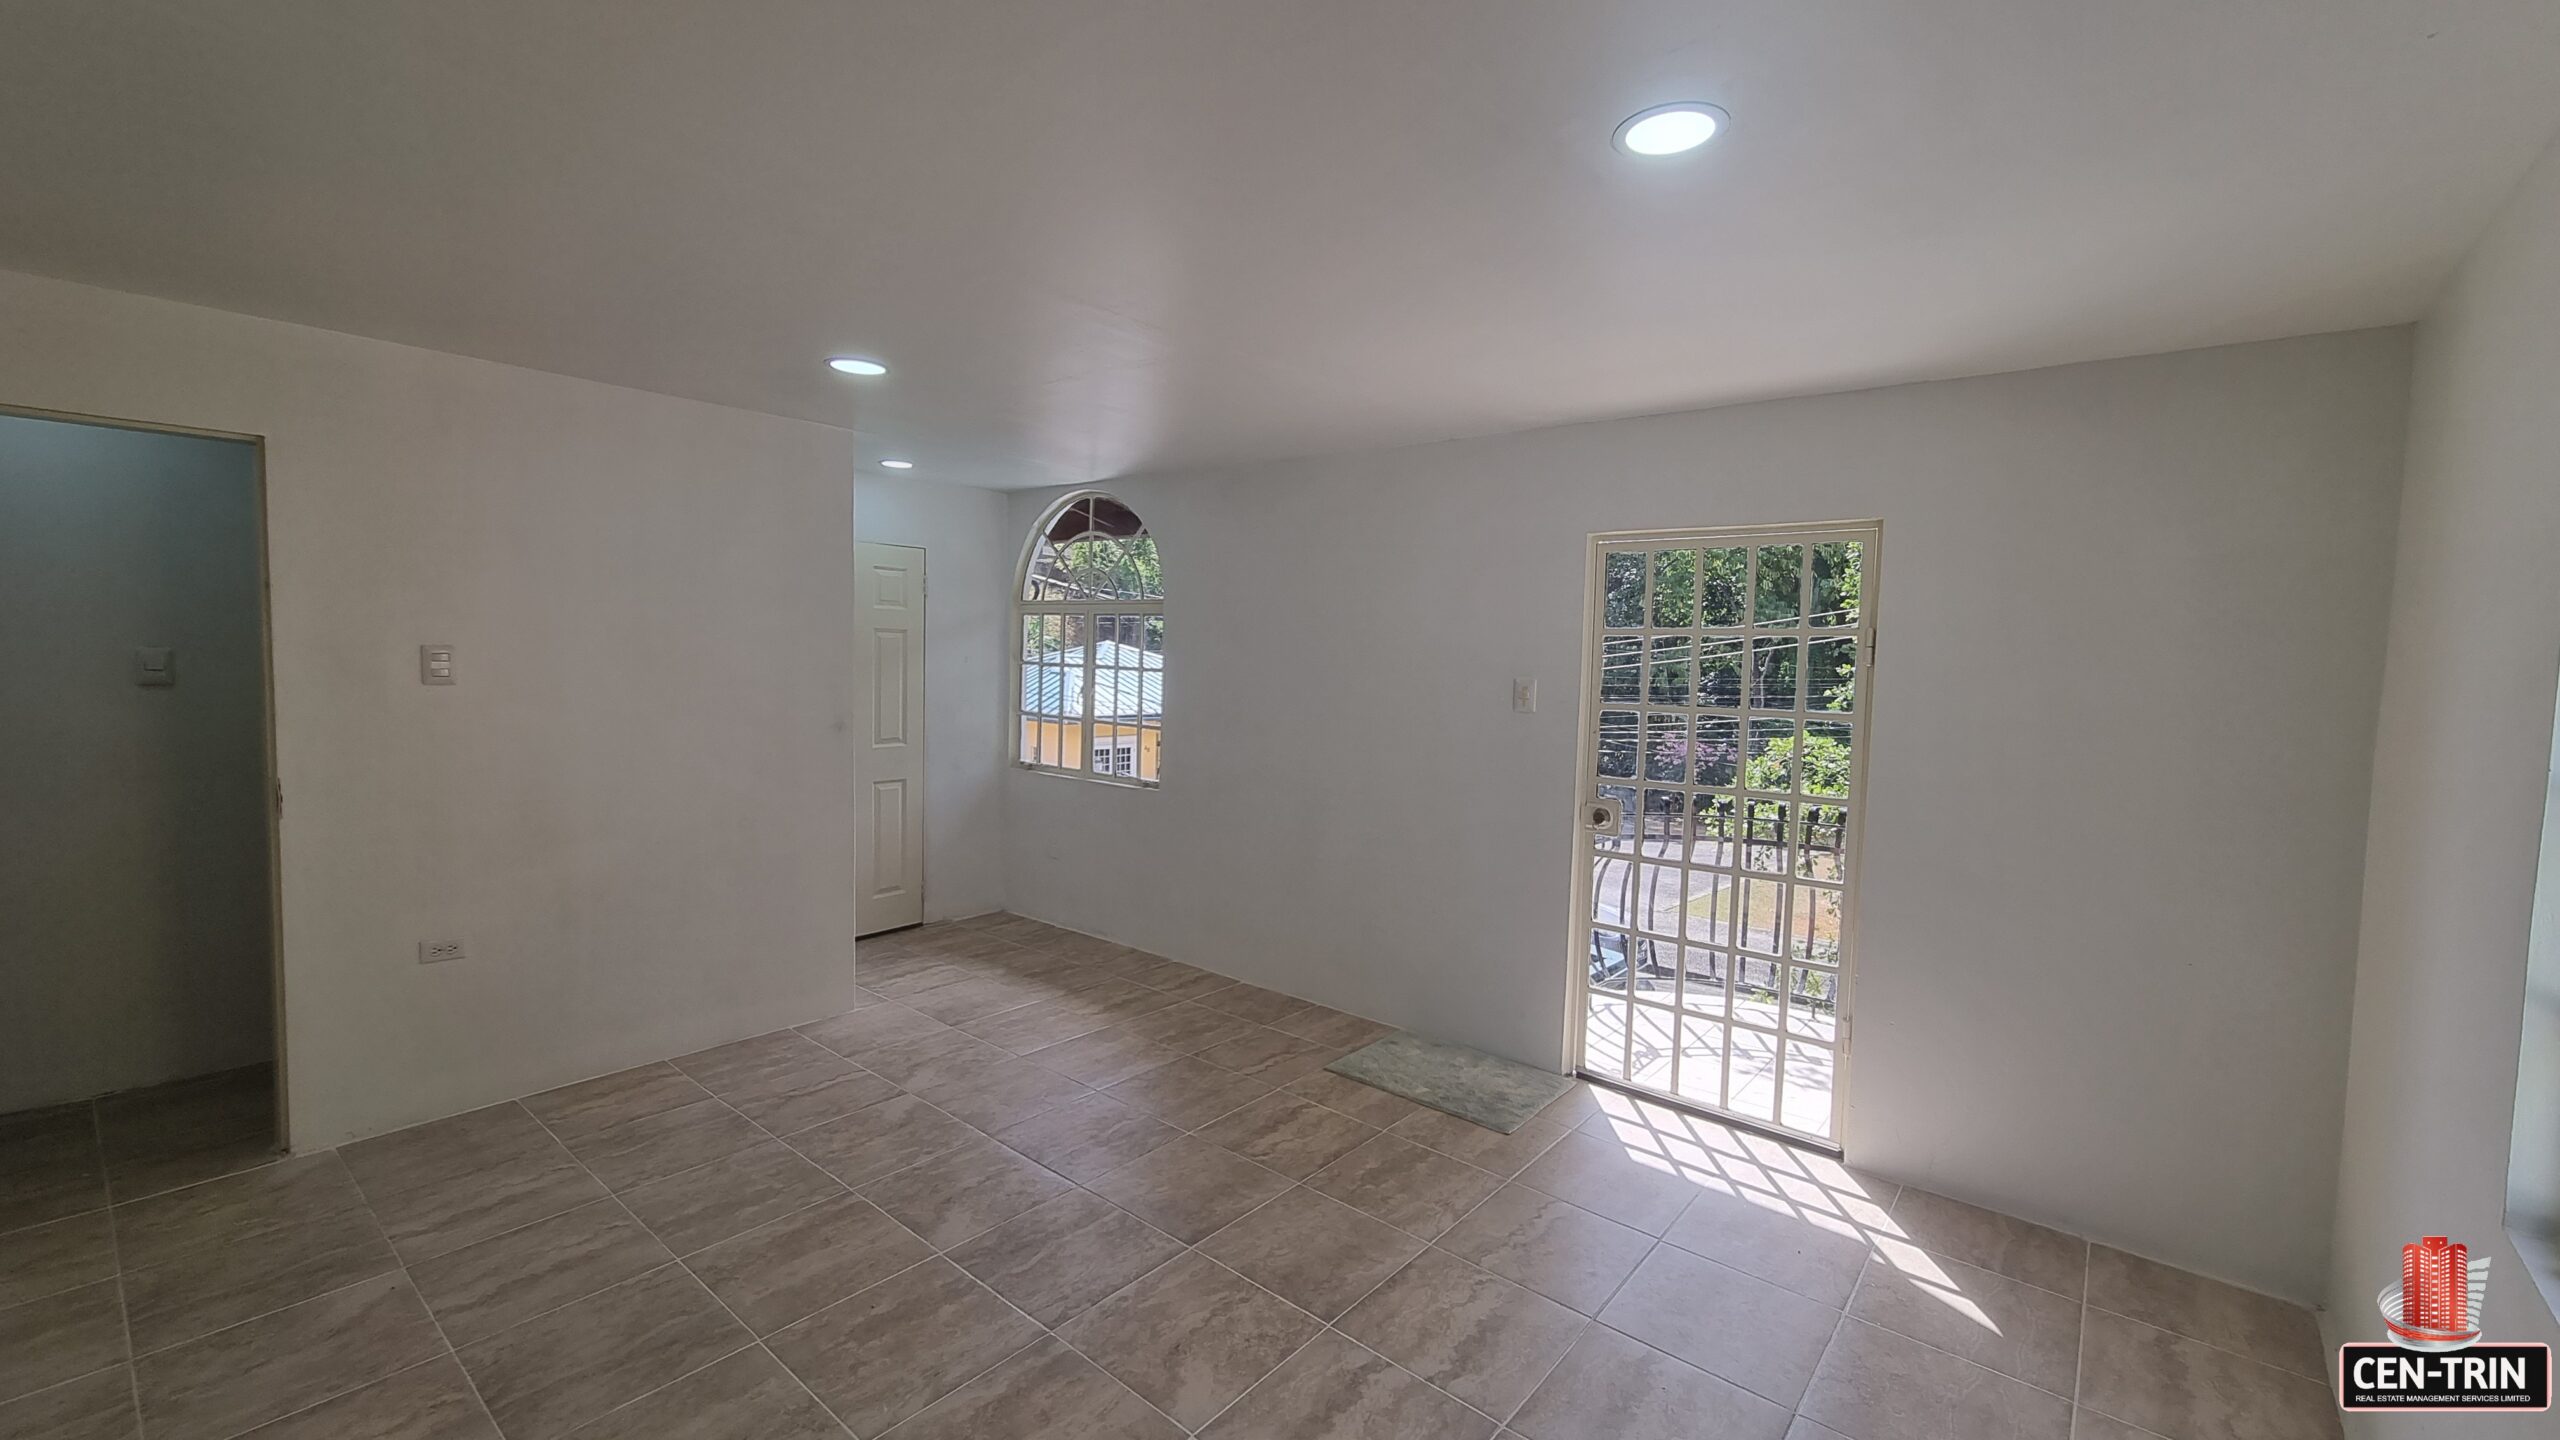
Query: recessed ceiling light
[
  {"x": 857, "y": 365},
  {"x": 897, "y": 464},
  {"x": 1670, "y": 129}
]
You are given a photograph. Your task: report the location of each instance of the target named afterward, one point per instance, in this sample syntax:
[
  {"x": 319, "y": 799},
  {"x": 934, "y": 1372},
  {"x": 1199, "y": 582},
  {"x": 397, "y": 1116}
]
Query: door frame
[
  {"x": 1586, "y": 739},
  {"x": 274, "y": 808},
  {"x": 924, "y": 699}
]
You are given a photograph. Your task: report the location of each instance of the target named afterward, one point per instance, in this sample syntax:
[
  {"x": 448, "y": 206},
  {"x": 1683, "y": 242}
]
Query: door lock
[{"x": 1606, "y": 814}]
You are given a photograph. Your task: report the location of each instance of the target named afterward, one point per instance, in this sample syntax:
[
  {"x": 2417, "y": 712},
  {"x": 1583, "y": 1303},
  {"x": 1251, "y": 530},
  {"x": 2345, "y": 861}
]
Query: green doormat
[{"x": 1496, "y": 1093}]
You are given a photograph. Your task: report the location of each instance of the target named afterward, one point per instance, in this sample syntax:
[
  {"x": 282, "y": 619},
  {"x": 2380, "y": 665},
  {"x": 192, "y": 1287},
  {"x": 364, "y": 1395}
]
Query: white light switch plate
[
  {"x": 155, "y": 667},
  {"x": 435, "y": 664}
]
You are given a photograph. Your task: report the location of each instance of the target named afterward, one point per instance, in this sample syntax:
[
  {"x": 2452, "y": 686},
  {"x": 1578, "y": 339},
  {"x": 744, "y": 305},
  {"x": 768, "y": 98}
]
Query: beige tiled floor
[{"x": 1039, "y": 1185}]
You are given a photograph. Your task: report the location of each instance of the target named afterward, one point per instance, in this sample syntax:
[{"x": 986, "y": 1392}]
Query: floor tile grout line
[
  {"x": 754, "y": 1340},
  {"x": 1047, "y": 1332},
  {"x": 1428, "y": 1245},
  {"x": 397, "y": 1266},
  {"x": 1187, "y": 1248},
  {"x": 2287, "y": 1370},
  {"x": 451, "y": 1351},
  {"x": 67, "y": 1380},
  {"x": 230, "y": 1325},
  {"x": 1009, "y": 1357},
  {"x": 2080, "y": 1352},
  {"x": 115, "y": 1256},
  {"x": 335, "y": 1395}
]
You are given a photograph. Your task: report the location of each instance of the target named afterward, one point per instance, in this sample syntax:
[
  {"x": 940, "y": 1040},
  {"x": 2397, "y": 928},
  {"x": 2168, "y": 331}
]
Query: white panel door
[
  {"x": 888, "y": 761},
  {"x": 1725, "y": 716}
]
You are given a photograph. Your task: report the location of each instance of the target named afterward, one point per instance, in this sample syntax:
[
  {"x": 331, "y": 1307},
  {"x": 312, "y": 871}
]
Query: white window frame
[{"x": 1025, "y": 609}]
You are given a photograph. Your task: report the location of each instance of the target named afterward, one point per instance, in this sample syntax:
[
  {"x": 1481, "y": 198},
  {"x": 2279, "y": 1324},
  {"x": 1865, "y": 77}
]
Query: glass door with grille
[{"x": 1726, "y": 700}]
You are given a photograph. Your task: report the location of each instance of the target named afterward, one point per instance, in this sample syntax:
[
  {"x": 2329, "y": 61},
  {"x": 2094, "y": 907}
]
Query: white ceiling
[{"x": 1096, "y": 237}]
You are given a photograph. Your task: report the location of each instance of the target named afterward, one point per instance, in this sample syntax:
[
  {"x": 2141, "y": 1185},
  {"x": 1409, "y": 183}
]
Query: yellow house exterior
[{"x": 1061, "y": 743}]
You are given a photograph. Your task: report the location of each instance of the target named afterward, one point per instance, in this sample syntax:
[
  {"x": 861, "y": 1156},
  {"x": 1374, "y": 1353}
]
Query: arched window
[{"x": 1092, "y": 627}]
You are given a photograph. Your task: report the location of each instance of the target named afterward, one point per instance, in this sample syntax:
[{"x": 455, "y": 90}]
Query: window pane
[
  {"x": 1773, "y": 756},
  {"x": 1654, "y": 973},
  {"x": 1649, "y": 1048},
  {"x": 1670, "y": 670},
  {"x": 1813, "y": 924},
  {"x": 1701, "y": 1061},
  {"x": 1837, "y": 578},
  {"x": 1622, "y": 589},
  {"x": 1773, "y": 672},
  {"x": 1675, "y": 589},
  {"x": 1764, "y": 828},
  {"x": 1144, "y": 575},
  {"x": 1712, "y": 830},
  {"x": 1604, "y": 1036},
  {"x": 1719, "y": 757},
  {"x": 1753, "y": 1090},
  {"x": 1721, "y": 586},
  {"x": 1810, "y": 1076},
  {"x": 1709, "y": 911},
  {"x": 1617, "y": 758},
  {"x": 1756, "y": 923},
  {"x": 1831, "y": 675},
  {"x": 1613, "y": 882},
  {"x": 1609, "y": 961},
  {"x": 1666, "y": 823},
  {"x": 1755, "y": 993},
  {"x": 1622, "y": 668},
  {"x": 1666, "y": 747},
  {"x": 1720, "y": 671},
  {"x": 1813, "y": 1003},
  {"x": 1824, "y": 758},
  {"x": 1822, "y": 842},
  {"x": 1705, "y": 974},
  {"x": 1780, "y": 599}
]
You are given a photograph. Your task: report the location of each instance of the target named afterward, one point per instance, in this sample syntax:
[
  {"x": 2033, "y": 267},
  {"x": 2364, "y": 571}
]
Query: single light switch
[
  {"x": 435, "y": 664},
  {"x": 155, "y": 666}
]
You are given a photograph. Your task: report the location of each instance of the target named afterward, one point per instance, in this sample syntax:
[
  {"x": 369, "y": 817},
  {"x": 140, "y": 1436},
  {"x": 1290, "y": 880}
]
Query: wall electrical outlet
[
  {"x": 436, "y": 952},
  {"x": 1524, "y": 694}
]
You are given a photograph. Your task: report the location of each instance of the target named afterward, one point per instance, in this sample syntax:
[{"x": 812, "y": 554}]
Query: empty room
[{"x": 1311, "y": 720}]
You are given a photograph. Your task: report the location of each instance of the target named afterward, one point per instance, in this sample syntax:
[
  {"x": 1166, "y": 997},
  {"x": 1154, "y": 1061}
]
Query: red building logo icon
[{"x": 2436, "y": 1305}]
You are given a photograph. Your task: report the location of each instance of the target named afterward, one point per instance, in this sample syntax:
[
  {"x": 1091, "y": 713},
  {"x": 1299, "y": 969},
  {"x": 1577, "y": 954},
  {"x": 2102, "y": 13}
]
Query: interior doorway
[
  {"x": 141, "y": 1013},
  {"x": 888, "y": 766},
  {"x": 1726, "y": 701}
]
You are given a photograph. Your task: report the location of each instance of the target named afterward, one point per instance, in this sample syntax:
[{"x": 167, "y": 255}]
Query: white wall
[
  {"x": 969, "y": 558},
  {"x": 2465, "y": 734},
  {"x": 133, "y": 839},
  {"x": 2110, "y": 907},
  {"x": 637, "y": 805}
]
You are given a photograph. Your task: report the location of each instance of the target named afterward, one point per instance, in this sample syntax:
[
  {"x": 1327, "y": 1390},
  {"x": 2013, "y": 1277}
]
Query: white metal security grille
[{"x": 1725, "y": 708}]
